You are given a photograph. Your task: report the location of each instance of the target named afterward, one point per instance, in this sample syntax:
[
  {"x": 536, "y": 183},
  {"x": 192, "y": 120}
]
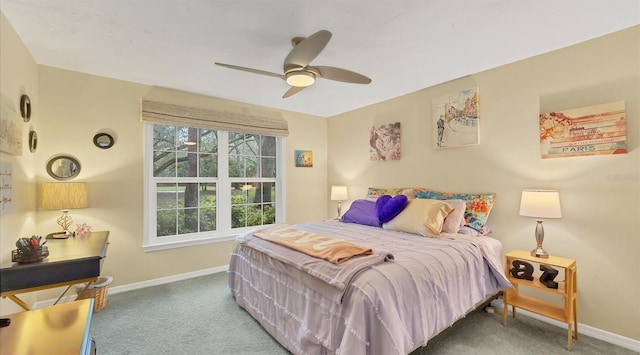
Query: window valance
[{"x": 170, "y": 114}]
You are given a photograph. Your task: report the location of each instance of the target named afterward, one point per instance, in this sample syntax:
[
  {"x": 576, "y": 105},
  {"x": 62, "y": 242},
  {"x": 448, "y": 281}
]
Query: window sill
[{"x": 185, "y": 243}]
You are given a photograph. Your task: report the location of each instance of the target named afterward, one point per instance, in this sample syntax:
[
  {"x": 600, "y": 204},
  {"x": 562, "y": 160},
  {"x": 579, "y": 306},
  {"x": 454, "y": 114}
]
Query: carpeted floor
[{"x": 199, "y": 316}]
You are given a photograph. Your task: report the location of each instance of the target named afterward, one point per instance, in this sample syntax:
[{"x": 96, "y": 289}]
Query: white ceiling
[{"x": 402, "y": 45}]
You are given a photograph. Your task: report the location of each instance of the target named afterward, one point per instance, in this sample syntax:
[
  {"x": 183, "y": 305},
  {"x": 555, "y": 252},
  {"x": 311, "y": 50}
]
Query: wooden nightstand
[{"x": 567, "y": 313}]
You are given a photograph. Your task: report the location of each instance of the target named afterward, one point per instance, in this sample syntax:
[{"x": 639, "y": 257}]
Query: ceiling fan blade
[
  {"x": 251, "y": 70},
  {"x": 339, "y": 74},
  {"x": 292, "y": 91},
  {"x": 305, "y": 51}
]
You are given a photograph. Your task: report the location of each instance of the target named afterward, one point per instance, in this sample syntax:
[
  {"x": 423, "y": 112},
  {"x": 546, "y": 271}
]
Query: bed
[{"x": 418, "y": 287}]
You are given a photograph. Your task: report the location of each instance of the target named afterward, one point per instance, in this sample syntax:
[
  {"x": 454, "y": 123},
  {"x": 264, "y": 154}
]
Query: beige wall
[
  {"x": 18, "y": 76},
  {"x": 76, "y": 106},
  {"x": 600, "y": 195},
  {"x": 71, "y": 108}
]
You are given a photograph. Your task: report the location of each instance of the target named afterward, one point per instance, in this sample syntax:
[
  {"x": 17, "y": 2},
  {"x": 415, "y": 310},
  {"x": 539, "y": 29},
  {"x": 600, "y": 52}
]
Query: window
[{"x": 204, "y": 185}]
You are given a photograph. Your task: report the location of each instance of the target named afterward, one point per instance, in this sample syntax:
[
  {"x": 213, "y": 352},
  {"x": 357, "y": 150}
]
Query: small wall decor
[
  {"x": 103, "y": 140},
  {"x": 303, "y": 158},
  {"x": 522, "y": 270},
  {"x": 63, "y": 167},
  {"x": 33, "y": 141},
  {"x": 384, "y": 142},
  {"x": 25, "y": 108},
  {"x": 11, "y": 132},
  {"x": 593, "y": 130},
  {"x": 456, "y": 119},
  {"x": 6, "y": 170}
]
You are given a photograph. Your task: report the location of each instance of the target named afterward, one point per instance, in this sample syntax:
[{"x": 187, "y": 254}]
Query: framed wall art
[
  {"x": 592, "y": 130},
  {"x": 303, "y": 158},
  {"x": 10, "y": 131},
  {"x": 384, "y": 142},
  {"x": 456, "y": 119},
  {"x": 6, "y": 170}
]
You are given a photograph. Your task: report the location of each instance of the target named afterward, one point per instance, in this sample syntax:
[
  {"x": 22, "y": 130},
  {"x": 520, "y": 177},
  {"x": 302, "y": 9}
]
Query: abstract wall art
[
  {"x": 384, "y": 142},
  {"x": 592, "y": 130},
  {"x": 10, "y": 131},
  {"x": 456, "y": 119},
  {"x": 303, "y": 158}
]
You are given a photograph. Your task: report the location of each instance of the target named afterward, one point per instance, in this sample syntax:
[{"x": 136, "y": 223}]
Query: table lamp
[
  {"x": 540, "y": 204},
  {"x": 339, "y": 193},
  {"x": 63, "y": 196}
]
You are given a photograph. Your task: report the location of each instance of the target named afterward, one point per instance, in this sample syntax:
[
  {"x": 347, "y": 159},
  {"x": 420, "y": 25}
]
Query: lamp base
[{"x": 540, "y": 253}]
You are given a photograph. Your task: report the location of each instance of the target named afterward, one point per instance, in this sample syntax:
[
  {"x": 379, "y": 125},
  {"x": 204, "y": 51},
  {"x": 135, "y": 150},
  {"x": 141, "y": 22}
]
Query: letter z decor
[{"x": 548, "y": 274}]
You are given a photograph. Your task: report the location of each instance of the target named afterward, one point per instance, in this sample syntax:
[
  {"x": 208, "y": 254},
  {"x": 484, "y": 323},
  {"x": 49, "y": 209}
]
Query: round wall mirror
[
  {"x": 63, "y": 167},
  {"x": 33, "y": 141},
  {"x": 25, "y": 108},
  {"x": 103, "y": 140}
]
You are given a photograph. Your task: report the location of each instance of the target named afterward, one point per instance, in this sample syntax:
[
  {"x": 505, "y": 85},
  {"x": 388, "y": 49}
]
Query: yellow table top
[{"x": 59, "y": 329}]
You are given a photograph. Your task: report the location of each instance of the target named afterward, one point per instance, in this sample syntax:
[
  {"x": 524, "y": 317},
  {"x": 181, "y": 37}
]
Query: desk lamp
[{"x": 63, "y": 196}]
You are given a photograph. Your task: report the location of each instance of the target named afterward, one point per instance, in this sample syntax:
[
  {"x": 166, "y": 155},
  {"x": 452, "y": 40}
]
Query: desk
[
  {"x": 60, "y": 329},
  {"x": 71, "y": 261}
]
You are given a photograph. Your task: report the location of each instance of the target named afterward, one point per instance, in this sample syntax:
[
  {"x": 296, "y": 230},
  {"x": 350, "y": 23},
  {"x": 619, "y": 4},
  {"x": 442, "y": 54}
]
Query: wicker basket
[{"x": 97, "y": 291}]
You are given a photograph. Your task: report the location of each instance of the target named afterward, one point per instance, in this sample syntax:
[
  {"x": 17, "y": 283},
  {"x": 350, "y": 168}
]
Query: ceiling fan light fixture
[{"x": 300, "y": 79}]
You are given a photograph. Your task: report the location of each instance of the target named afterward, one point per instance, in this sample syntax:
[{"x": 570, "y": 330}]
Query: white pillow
[
  {"x": 421, "y": 216},
  {"x": 455, "y": 220}
]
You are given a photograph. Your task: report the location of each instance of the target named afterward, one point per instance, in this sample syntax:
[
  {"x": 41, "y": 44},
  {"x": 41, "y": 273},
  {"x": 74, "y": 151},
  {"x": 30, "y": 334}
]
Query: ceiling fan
[{"x": 297, "y": 71}]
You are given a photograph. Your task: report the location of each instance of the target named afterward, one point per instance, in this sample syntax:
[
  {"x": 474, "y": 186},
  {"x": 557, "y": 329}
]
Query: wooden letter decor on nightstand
[
  {"x": 567, "y": 289},
  {"x": 522, "y": 270}
]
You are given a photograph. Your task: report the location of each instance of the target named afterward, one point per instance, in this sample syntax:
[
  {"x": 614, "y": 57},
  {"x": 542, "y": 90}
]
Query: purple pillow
[
  {"x": 388, "y": 207},
  {"x": 362, "y": 212}
]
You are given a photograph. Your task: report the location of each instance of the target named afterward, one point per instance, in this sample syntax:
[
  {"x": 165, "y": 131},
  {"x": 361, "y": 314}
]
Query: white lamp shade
[
  {"x": 339, "y": 193},
  {"x": 540, "y": 204}
]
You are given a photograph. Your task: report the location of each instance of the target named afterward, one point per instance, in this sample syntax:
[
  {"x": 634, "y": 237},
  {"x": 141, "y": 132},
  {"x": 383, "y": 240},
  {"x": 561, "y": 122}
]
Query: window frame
[{"x": 223, "y": 232}]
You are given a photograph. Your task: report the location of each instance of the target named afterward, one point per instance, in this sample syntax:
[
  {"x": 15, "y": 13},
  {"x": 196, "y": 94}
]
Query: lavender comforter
[{"x": 387, "y": 308}]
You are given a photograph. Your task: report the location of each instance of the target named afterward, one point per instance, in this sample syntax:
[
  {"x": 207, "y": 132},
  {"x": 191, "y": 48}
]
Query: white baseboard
[
  {"x": 138, "y": 285},
  {"x": 603, "y": 335},
  {"x": 166, "y": 280}
]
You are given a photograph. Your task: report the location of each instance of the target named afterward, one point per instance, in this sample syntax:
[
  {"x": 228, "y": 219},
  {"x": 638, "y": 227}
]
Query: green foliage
[
  {"x": 243, "y": 215},
  {"x": 190, "y": 207}
]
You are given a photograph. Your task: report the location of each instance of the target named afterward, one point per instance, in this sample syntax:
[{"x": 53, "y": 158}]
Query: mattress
[{"x": 392, "y": 307}]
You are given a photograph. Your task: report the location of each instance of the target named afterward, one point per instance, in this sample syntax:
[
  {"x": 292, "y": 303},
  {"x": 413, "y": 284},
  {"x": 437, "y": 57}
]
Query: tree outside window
[{"x": 187, "y": 179}]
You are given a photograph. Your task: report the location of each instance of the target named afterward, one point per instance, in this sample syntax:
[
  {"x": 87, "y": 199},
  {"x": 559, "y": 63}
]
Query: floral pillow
[
  {"x": 410, "y": 192},
  {"x": 478, "y": 205}
]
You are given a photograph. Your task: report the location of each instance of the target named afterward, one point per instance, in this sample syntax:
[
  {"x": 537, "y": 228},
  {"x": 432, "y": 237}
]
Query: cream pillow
[{"x": 421, "y": 216}]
